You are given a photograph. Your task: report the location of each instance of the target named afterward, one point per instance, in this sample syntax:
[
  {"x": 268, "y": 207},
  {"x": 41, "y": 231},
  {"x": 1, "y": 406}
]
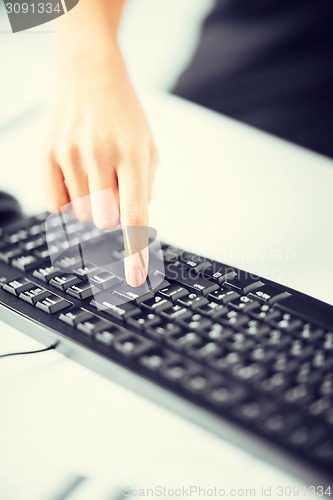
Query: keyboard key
[
  {"x": 156, "y": 303},
  {"x": 300, "y": 351},
  {"x": 224, "y": 295},
  {"x": 234, "y": 319},
  {"x": 223, "y": 361},
  {"x": 156, "y": 284},
  {"x": 93, "y": 325},
  {"x": 269, "y": 294},
  {"x": 16, "y": 237},
  {"x": 183, "y": 339},
  {"x": 143, "y": 320},
  {"x": 328, "y": 339},
  {"x": 106, "y": 337},
  {"x": 153, "y": 362},
  {"x": 25, "y": 263},
  {"x": 253, "y": 412},
  {"x": 173, "y": 292},
  {"x": 298, "y": 394},
  {"x": 305, "y": 373},
  {"x": 132, "y": 346},
  {"x": 192, "y": 300},
  {"x": 131, "y": 293},
  {"x": 304, "y": 436},
  {"x": 275, "y": 385},
  {"x": 218, "y": 273},
  {"x": 36, "y": 229},
  {"x": 217, "y": 332},
  {"x": 196, "y": 383},
  {"x": 2, "y": 281},
  {"x": 245, "y": 304},
  {"x": 287, "y": 322},
  {"x": 252, "y": 372},
  {"x": 176, "y": 312},
  {"x": 45, "y": 273},
  {"x": 323, "y": 360},
  {"x": 279, "y": 424},
  {"x": 68, "y": 262},
  {"x": 175, "y": 371},
  {"x": 320, "y": 407},
  {"x": 212, "y": 309},
  {"x": 163, "y": 330},
  {"x": 326, "y": 387},
  {"x": 263, "y": 311},
  {"x": 75, "y": 316},
  {"x": 53, "y": 304},
  {"x": 82, "y": 290},
  {"x": 76, "y": 227},
  {"x": 262, "y": 354},
  {"x": 225, "y": 394},
  {"x": 120, "y": 311},
  {"x": 104, "y": 280},
  {"x": 204, "y": 349},
  {"x": 33, "y": 243},
  {"x": 195, "y": 262},
  {"x": 34, "y": 294},
  {"x": 64, "y": 281},
  {"x": 284, "y": 363},
  {"x": 9, "y": 253},
  {"x": 83, "y": 272},
  {"x": 244, "y": 282},
  {"x": 254, "y": 327},
  {"x": 155, "y": 359},
  {"x": 42, "y": 253},
  {"x": 196, "y": 284},
  {"x": 238, "y": 344},
  {"x": 195, "y": 322},
  {"x": 17, "y": 286},
  {"x": 114, "y": 305},
  {"x": 57, "y": 248}
]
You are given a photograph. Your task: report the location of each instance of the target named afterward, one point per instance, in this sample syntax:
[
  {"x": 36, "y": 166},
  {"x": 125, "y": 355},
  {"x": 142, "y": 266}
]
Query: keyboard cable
[{"x": 50, "y": 348}]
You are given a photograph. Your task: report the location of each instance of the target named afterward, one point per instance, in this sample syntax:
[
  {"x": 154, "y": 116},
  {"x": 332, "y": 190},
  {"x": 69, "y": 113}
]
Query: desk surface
[{"x": 222, "y": 189}]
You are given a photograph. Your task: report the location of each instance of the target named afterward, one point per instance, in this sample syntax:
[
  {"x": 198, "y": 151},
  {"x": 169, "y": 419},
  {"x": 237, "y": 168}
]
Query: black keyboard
[{"x": 238, "y": 354}]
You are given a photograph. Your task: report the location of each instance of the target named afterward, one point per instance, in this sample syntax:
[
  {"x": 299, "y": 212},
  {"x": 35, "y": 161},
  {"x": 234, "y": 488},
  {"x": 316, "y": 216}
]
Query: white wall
[{"x": 159, "y": 37}]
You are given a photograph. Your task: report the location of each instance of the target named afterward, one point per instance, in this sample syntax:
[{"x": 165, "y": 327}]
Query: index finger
[{"x": 133, "y": 197}]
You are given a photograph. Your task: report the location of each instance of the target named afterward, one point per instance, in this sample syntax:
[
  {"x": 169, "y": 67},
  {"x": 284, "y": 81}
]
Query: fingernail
[
  {"x": 135, "y": 276},
  {"x": 103, "y": 224}
]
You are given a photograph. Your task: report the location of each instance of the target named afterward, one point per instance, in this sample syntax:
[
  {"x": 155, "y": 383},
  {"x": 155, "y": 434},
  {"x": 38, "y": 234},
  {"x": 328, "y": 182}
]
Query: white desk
[{"x": 222, "y": 189}]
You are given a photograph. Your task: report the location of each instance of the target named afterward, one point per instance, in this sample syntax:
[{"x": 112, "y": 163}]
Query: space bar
[{"x": 309, "y": 308}]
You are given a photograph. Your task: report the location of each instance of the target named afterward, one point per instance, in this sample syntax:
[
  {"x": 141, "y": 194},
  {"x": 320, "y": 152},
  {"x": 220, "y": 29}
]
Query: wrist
[
  {"x": 85, "y": 56},
  {"x": 88, "y": 33}
]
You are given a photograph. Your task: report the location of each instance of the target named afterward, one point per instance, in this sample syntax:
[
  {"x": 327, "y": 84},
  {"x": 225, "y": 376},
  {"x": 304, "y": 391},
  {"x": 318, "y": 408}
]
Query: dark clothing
[{"x": 268, "y": 63}]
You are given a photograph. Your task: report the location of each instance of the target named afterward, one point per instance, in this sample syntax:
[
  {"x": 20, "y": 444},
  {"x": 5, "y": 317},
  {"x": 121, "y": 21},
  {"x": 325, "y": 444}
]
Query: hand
[{"x": 99, "y": 140}]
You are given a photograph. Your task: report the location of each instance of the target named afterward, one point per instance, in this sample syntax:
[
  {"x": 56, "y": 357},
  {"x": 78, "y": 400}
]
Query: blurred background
[{"x": 156, "y": 52}]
